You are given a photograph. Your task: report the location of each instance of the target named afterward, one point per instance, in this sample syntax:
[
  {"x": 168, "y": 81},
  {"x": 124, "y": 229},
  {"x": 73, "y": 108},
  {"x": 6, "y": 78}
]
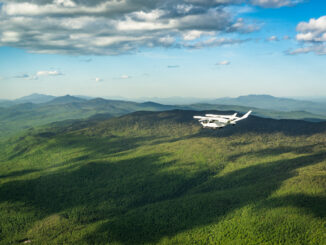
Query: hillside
[{"x": 157, "y": 177}]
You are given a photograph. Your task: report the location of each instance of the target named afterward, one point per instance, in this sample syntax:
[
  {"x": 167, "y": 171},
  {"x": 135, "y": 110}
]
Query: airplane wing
[
  {"x": 243, "y": 117},
  {"x": 222, "y": 116},
  {"x": 210, "y": 119},
  {"x": 201, "y": 118}
]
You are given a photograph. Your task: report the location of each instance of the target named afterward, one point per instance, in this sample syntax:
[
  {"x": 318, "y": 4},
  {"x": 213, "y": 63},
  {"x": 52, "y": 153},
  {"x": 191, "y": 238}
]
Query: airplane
[{"x": 220, "y": 121}]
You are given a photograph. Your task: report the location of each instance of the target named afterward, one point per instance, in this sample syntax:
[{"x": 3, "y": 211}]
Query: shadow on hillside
[
  {"x": 144, "y": 202},
  {"x": 202, "y": 203},
  {"x": 312, "y": 204},
  {"x": 275, "y": 151},
  {"x": 18, "y": 173},
  {"x": 100, "y": 146}
]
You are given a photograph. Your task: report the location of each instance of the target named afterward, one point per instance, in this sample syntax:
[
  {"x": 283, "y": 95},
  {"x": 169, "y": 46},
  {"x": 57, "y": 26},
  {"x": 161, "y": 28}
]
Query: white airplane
[{"x": 220, "y": 121}]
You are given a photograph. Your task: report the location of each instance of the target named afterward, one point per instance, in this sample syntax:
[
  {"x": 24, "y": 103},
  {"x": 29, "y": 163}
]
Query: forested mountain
[{"x": 22, "y": 116}]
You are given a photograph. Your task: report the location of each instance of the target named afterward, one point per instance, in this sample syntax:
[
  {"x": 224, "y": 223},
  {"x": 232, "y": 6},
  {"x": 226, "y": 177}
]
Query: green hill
[{"x": 157, "y": 177}]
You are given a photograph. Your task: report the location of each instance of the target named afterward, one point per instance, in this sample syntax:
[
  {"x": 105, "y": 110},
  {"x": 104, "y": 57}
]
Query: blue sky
[{"x": 185, "y": 48}]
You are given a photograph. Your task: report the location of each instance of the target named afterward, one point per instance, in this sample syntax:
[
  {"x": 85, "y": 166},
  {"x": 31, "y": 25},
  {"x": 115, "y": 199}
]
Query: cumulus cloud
[
  {"x": 312, "y": 31},
  {"x": 223, "y": 63},
  {"x": 110, "y": 27},
  {"x": 312, "y": 36}
]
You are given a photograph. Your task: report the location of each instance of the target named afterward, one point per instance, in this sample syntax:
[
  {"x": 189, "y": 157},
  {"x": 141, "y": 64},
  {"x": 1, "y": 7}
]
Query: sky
[{"x": 163, "y": 48}]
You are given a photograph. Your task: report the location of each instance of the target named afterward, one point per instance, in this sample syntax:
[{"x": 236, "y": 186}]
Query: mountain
[
  {"x": 34, "y": 98},
  {"x": 21, "y": 116},
  {"x": 176, "y": 100},
  {"x": 274, "y": 103},
  {"x": 159, "y": 178},
  {"x": 6, "y": 103},
  {"x": 65, "y": 99}
]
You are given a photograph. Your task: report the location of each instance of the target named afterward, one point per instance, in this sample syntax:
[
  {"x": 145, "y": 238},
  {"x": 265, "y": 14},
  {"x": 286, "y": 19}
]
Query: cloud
[
  {"x": 173, "y": 66},
  {"x": 312, "y": 31},
  {"x": 39, "y": 74},
  {"x": 312, "y": 37},
  {"x": 317, "y": 49},
  {"x": 272, "y": 39},
  {"x": 214, "y": 42},
  {"x": 103, "y": 27},
  {"x": 97, "y": 79},
  {"x": 125, "y": 76},
  {"x": 275, "y": 3},
  {"x": 223, "y": 63},
  {"x": 48, "y": 73}
]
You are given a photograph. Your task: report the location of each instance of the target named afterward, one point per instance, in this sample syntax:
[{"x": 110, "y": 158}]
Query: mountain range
[
  {"x": 36, "y": 110},
  {"x": 256, "y": 101}
]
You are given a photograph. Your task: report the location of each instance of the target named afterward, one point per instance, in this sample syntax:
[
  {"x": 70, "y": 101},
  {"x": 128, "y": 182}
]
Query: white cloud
[
  {"x": 9, "y": 37},
  {"x": 48, "y": 73},
  {"x": 312, "y": 36},
  {"x": 97, "y": 79},
  {"x": 223, "y": 63},
  {"x": 312, "y": 31},
  {"x": 317, "y": 49},
  {"x": 272, "y": 38},
  {"x": 275, "y": 3},
  {"x": 103, "y": 27},
  {"x": 38, "y": 75},
  {"x": 124, "y": 76},
  {"x": 214, "y": 42}
]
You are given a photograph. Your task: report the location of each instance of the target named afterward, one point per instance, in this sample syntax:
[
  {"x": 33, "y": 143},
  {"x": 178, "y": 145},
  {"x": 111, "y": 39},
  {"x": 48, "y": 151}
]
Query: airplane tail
[{"x": 244, "y": 116}]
